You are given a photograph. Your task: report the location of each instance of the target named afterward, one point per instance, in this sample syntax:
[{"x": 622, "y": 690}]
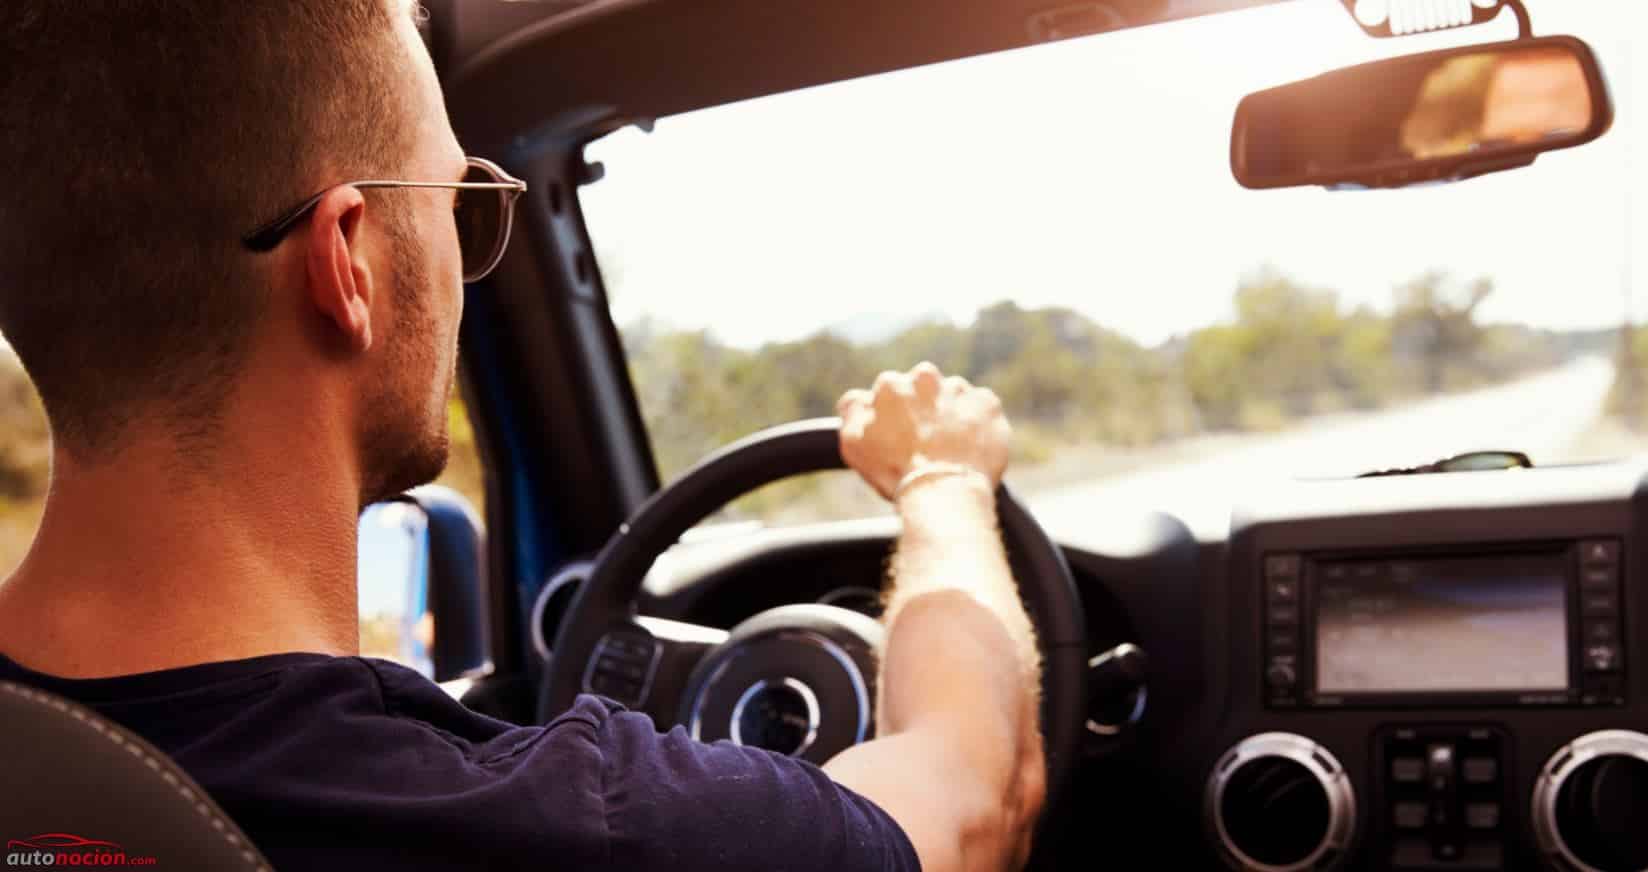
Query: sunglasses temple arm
[{"x": 268, "y": 236}]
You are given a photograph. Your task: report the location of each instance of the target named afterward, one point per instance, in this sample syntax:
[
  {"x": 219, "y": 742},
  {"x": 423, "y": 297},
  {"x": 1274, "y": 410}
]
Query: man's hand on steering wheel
[
  {"x": 909, "y": 421},
  {"x": 957, "y": 714},
  {"x": 959, "y": 761}
]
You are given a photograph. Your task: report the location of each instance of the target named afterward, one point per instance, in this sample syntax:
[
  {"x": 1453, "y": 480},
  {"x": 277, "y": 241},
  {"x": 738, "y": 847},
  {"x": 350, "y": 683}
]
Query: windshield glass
[{"x": 1060, "y": 223}]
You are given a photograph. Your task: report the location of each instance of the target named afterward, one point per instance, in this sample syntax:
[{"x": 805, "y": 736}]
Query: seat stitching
[{"x": 177, "y": 784}]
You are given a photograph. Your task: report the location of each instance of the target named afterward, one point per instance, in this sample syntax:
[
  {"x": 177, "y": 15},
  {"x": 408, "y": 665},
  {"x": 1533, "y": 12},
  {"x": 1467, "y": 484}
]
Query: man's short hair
[{"x": 140, "y": 140}]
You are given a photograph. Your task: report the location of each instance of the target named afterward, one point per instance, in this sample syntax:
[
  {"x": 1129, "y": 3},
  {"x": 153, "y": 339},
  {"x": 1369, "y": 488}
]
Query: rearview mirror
[{"x": 1438, "y": 116}]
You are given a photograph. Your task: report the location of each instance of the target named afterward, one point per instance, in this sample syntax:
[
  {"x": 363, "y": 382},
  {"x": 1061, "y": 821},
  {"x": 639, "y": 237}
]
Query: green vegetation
[
  {"x": 25, "y": 461},
  {"x": 1289, "y": 352},
  {"x": 1628, "y": 398}
]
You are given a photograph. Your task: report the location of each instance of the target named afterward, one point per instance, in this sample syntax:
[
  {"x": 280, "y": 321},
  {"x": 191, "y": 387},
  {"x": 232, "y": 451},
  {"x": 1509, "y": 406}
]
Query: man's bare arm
[{"x": 958, "y": 758}]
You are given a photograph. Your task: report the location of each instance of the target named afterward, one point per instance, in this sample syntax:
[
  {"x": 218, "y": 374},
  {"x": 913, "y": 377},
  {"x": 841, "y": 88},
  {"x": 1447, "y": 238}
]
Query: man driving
[{"x": 233, "y": 244}]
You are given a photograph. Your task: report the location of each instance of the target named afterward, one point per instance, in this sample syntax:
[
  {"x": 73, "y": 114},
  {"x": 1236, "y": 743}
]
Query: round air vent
[
  {"x": 553, "y": 601},
  {"x": 1590, "y": 803},
  {"x": 1278, "y": 802}
]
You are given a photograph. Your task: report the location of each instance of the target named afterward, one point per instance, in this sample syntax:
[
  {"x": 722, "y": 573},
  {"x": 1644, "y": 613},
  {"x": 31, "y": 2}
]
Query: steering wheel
[{"x": 797, "y": 679}]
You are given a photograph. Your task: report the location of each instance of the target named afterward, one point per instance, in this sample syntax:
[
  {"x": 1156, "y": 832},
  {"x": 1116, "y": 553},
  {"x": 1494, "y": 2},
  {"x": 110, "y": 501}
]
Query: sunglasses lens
[{"x": 481, "y": 217}]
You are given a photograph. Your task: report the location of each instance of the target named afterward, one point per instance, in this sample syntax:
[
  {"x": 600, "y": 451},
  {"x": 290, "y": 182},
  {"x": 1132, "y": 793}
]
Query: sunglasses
[{"x": 485, "y": 213}]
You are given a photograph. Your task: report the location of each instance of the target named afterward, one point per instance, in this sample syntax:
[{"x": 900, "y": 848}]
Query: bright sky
[{"x": 1094, "y": 173}]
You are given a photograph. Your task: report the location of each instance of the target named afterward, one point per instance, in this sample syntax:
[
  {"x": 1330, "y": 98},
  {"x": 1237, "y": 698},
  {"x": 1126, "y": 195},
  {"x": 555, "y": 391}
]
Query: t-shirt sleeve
[{"x": 678, "y": 804}]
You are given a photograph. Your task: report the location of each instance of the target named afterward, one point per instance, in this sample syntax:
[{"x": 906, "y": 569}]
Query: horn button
[{"x": 796, "y": 680}]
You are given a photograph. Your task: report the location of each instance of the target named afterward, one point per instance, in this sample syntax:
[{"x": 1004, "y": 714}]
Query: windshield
[{"x": 1060, "y": 223}]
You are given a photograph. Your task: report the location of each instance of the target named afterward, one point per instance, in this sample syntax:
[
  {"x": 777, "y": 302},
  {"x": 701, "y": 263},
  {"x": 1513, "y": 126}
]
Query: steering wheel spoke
[{"x": 644, "y": 663}]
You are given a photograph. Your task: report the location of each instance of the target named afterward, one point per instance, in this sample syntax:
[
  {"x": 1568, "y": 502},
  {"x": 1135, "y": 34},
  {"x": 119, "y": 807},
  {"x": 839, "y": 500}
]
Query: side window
[{"x": 25, "y": 460}]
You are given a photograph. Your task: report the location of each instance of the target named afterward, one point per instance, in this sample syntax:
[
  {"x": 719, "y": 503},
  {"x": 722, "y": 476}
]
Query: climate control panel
[
  {"x": 1439, "y": 797},
  {"x": 1442, "y": 797}
]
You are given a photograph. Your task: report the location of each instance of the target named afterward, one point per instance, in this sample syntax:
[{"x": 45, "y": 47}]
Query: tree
[
  {"x": 25, "y": 444},
  {"x": 1435, "y": 326}
]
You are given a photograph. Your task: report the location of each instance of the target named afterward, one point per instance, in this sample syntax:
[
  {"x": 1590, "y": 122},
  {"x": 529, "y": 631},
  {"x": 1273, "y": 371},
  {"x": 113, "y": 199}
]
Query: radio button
[
  {"x": 1410, "y": 815},
  {"x": 1482, "y": 815},
  {"x": 1602, "y": 690},
  {"x": 1280, "y": 676},
  {"x": 1283, "y": 641},
  {"x": 1602, "y": 658},
  {"x": 1407, "y": 770},
  {"x": 1413, "y": 852},
  {"x": 1282, "y": 566},
  {"x": 1282, "y": 590},
  {"x": 1283, "y": 615},
  {"x": 1599, "y": 605},
  {"x": 1599, "y": 551},
  {"x": 1481, "y": 770},
  {"x": 1417, "y": 854},
  {"x": 1601, "y": 631},
  {"x": 1599, "y": 577}
]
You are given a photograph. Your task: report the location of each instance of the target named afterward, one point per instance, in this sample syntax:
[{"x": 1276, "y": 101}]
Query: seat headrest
[{"x": 73, "y": 783}]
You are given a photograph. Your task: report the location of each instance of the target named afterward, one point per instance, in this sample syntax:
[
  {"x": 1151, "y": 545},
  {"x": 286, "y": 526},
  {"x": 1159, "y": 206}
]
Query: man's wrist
[{"x": 928, "y": 476}]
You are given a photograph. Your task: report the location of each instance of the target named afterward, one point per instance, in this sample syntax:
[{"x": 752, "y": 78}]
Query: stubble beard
[{"x": 405, "y": 442}]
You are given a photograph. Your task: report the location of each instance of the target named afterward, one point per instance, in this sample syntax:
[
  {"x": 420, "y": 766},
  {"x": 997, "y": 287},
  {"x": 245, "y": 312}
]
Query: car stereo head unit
[{"x": 1532, "y": 624}]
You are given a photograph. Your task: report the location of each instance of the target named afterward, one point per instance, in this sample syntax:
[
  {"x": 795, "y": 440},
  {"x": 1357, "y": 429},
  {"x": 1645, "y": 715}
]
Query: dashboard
[{"x": 1430, "y": 672}]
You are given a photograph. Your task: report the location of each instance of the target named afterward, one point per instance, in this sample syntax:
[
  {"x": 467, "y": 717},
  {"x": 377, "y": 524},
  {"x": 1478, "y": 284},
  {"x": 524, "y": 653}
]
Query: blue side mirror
[{"x": 422, "y": 583}]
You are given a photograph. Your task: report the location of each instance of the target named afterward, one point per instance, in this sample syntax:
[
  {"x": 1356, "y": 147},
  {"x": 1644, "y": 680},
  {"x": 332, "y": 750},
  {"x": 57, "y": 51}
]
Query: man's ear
[{"x": 340, "y": 287}]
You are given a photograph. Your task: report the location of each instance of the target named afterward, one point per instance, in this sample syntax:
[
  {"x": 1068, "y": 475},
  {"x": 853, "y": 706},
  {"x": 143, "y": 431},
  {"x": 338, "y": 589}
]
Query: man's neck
[{"x": 142, "y": 564}]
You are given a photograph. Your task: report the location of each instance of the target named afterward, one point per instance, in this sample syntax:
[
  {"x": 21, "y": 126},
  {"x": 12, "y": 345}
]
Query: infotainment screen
[{"x": 1485, "y": 624}]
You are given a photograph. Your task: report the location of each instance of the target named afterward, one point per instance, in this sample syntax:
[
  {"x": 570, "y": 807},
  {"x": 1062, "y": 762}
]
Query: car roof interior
[{"x": 506, "y": 63}]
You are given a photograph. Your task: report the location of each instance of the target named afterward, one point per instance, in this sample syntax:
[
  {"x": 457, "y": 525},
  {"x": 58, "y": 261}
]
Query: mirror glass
[
  {"x": 1439, "y": 115},
  {"x": 393, "y": 579}
]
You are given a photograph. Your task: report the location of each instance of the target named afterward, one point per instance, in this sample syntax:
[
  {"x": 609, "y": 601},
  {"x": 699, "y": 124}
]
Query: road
[{"x": 1540, "y": 415}]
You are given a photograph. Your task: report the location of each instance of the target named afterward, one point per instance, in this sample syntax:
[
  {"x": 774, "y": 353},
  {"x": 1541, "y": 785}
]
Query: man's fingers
[
  {"x": 852, "y": 427},
  {"x": 851, "y": 400},
  {"x": 927, "y": 379},
  {"x": 893, "y": 392}
]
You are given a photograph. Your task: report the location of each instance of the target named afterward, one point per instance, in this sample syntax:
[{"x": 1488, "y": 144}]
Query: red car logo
[{"x": 58, "y": 841}]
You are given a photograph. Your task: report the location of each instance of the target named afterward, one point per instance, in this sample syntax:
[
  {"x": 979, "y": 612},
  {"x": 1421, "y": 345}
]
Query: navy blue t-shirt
[{"x": 356, "y": 763}]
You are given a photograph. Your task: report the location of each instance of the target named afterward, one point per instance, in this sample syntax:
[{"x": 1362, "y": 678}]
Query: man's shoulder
[
  {"x": 349, "y": 762},
  {"x": 362, "y": 763}
]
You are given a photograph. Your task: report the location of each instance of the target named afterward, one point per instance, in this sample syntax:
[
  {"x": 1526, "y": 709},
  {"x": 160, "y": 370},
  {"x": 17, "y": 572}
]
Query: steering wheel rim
[{"x": 608, "y": 598}]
